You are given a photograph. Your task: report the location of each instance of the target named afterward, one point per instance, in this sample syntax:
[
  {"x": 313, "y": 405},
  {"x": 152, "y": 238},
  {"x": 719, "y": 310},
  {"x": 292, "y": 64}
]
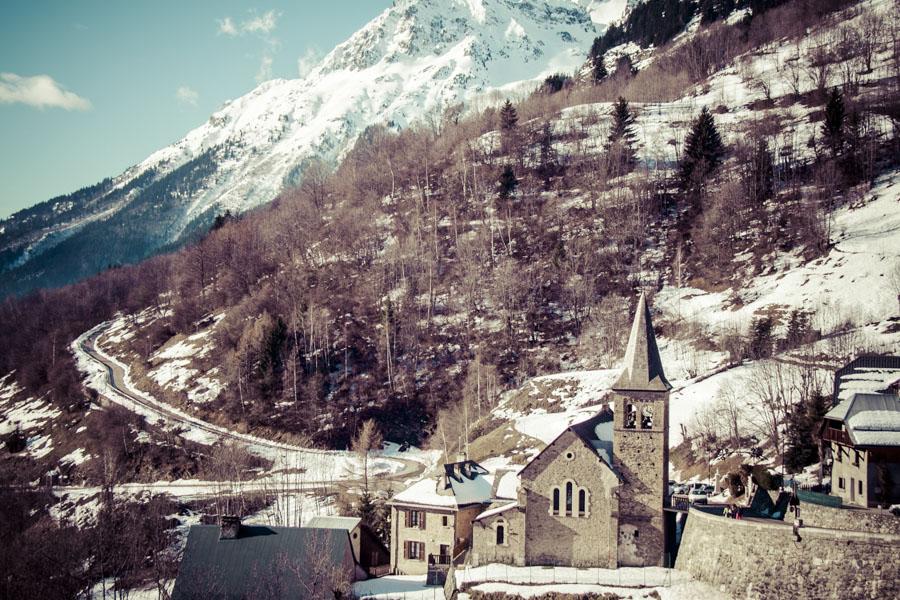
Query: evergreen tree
[
  {"x": 703, "y": 150},
  {"x": 833, "y": 127},
  {"x": 548, "y": 164},
  {"x": 761, "y": 338},
  {"x": 373, "y": 513},
  {"x": 620, "y": 144},
  {"x": 509, "y": 118},
  {"x": 508, "y": 182},
  {"x": 599, "y": 69},
  {"x": 802, "y": 446}
]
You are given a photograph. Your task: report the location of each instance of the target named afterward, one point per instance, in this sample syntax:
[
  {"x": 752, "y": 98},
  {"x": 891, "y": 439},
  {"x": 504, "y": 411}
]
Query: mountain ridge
[{"x": 417, "y": 57}]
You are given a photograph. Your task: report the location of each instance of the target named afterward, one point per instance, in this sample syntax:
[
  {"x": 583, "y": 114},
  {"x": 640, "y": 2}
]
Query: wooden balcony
[{"x": 836, "y": 435}]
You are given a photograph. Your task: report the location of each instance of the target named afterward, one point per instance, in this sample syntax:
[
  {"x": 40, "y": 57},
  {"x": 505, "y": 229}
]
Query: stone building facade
[
  {"x": 431, "y": 522},
  {"x": 595, "y": 495}
]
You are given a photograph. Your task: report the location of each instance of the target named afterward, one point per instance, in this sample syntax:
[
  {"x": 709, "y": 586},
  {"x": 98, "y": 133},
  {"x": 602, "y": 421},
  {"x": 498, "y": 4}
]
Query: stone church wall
[
  {"x": 755, "y": 560},
  {"x": 485, "y": 549},
  {"x": 588, "y": 541}
]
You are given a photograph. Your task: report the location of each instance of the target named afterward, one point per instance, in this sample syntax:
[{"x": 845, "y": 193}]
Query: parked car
[
  {"x": 699, "y": 492},
  {"x": 682, "y": 489}
]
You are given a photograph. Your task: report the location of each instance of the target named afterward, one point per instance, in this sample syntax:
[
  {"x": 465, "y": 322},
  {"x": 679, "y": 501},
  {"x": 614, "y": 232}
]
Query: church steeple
[{"x": 643, "y": 368}]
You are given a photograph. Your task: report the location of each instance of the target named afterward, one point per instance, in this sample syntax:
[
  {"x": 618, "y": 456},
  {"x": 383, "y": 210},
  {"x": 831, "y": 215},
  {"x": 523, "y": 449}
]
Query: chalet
[
  {"x": 236, "y": 561},
  {"x": 432, "y": 519},
  {"x": 862, "y": 435}
]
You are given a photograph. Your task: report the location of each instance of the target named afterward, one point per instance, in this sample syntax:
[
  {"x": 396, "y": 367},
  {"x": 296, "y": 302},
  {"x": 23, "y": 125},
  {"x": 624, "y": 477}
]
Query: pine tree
[
  {"x": 620, "y": 144},
  {"x": 599, "y": 70},
  {"x": 548, "y": 165},
  {"x": 703, "y": 150},
  {"x": 833, "y": 127},
  {"x": 508, "y": 182},
  {"x": 509, "y": 118},
  {"x": 802, "y": 448},
  {"x": 761, "y": 338}
]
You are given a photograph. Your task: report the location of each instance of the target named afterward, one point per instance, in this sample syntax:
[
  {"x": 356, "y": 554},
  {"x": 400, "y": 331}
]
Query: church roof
[{"x": 643, "y": 367}]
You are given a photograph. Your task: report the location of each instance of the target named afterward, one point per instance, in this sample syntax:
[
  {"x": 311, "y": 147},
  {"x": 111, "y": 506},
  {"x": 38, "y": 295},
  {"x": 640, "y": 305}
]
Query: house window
[
  {"x": 415, "y": 519},
  {"x": 630, "y": 416},
  {"x": 839, "y": 456},
  {"x": 569, "y": 498},
  {"x": 841, "y": 484},
  {"x": 415, "y": 550},
  {"x": 855, "y": 458},
  {"x": 445, "y": 520},
  {"x": 582, "y": 502},
  {"x": 554, "y": 509},
  {"x": 501, "y": 533},
  {"x": 859, "y": 486}
]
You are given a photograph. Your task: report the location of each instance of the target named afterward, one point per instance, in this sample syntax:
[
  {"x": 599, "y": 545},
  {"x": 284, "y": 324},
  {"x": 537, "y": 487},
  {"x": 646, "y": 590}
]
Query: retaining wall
[
  {"x": 762, "y": 560},
  {"x": 849, "y": 519}
]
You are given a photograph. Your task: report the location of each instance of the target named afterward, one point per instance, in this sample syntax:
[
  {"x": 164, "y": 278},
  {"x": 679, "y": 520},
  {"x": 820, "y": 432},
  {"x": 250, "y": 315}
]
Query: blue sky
[{"x": 88, "y": 88}]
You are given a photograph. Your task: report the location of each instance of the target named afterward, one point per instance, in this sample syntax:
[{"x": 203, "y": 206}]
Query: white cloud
[
  {"x": 187, "y": 95},
  {"x": 227, "y": 26},
  {"x": 260, "y": 24},
  {"x": 265, "y": 69},
  {"x": 40, "y": 91},
  {"x": 309, "y": 61}
]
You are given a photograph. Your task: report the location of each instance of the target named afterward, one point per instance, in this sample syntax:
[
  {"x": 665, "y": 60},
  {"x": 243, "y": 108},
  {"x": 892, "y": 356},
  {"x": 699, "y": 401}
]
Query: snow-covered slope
[{"x": 418, "y": 57}]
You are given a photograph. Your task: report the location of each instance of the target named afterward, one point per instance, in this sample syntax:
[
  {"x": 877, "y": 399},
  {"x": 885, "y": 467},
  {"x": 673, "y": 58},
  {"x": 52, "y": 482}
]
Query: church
[{"x": 594, "y": 497}]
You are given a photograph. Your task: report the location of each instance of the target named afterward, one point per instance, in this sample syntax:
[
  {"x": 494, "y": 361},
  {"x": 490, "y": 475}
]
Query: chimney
[{"x": 230, "y": 527}]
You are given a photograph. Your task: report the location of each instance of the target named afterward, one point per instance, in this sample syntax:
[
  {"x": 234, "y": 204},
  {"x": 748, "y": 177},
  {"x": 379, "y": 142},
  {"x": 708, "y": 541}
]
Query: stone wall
[
  {"x": 849, "y": 519},
  {"x": 485, "y": 549},
  {"x": 573, "y": 540},
  {"x": 762, "y": 560},
  {"x": 433, "y": 536}
]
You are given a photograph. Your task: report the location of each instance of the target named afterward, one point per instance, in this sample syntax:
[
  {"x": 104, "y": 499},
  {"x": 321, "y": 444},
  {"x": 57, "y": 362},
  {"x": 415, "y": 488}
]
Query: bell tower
[{"x": 641, "y": 446}]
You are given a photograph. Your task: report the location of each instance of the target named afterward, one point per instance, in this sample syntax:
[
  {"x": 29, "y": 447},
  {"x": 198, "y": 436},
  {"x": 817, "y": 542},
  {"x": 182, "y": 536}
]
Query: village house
[
  {"x": 232, "y": 560},
  {"x": 431, "y": 521},
  {"x": 862, "y": 435},
  {"x": 368, "y": 550}
]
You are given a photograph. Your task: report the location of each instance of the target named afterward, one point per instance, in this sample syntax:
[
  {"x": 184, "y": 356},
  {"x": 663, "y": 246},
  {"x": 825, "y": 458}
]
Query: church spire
[{"x": 643, "y": 368}]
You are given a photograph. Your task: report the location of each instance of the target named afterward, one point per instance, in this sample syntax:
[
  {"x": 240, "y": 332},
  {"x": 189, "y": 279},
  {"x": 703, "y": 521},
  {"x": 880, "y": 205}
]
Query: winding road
[{"x": 116, "y": 387}]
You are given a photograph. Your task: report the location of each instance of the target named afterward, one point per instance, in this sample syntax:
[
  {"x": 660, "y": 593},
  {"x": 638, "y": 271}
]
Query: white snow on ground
[
  {"x": 680, "y": 591},
  {"x": 577, "y": 395},
  {"x": 28, "y": 414},
  {"x": 76, "y": 457},
  {"x": 397, "y": 587}
]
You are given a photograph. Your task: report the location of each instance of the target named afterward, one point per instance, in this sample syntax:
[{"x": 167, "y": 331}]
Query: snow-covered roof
[
  {"x": 597, "y": 432},
  {"x": 496, "y": 510},
  {"x": 424, "y": 493},
  {"x": 508, "y": 486},
  {"x": 347, "y": 523},
  {"x": 463, "y": 483},
  {"x": 870, "y": 419}
]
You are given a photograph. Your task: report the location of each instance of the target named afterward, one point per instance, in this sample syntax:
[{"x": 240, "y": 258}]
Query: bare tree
[{"x": 368, "y": 438}]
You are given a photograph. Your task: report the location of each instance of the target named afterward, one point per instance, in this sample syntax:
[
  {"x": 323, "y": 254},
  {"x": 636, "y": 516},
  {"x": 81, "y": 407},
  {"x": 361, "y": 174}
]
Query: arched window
[
  {"x": 555, "y": 508},
  {"x": 501, "y": 534},
  {"x": 630, "y": 416},
  {"x": 582, "y": 502},
  {"x": 569, "y": 498}
]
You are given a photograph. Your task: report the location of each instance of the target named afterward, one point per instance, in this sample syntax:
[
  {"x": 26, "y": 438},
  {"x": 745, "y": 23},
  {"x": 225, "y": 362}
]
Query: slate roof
[
  {"x": 643, "y": 367},
  {"x": 463, "y": 483},
  {"x": 870, "y": 419},
  {"x": 264, "y": 561}
]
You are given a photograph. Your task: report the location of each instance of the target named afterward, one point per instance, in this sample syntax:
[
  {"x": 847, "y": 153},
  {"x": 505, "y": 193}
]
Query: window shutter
[
  {"x": 422, "y": 520},
  {"x": 421, "y": 550},
  {"x": 406, "y": 549},
  {"x": 408, "y": 517}
]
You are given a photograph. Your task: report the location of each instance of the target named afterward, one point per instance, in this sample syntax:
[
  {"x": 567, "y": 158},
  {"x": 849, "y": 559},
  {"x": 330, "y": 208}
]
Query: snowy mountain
[{"x": 418, "y": 57}]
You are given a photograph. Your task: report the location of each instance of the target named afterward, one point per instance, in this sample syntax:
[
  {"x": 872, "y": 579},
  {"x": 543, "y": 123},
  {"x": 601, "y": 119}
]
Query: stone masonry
[
  {"x": 574, "y": 540},
  {"x": 762, "y": 560}
]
